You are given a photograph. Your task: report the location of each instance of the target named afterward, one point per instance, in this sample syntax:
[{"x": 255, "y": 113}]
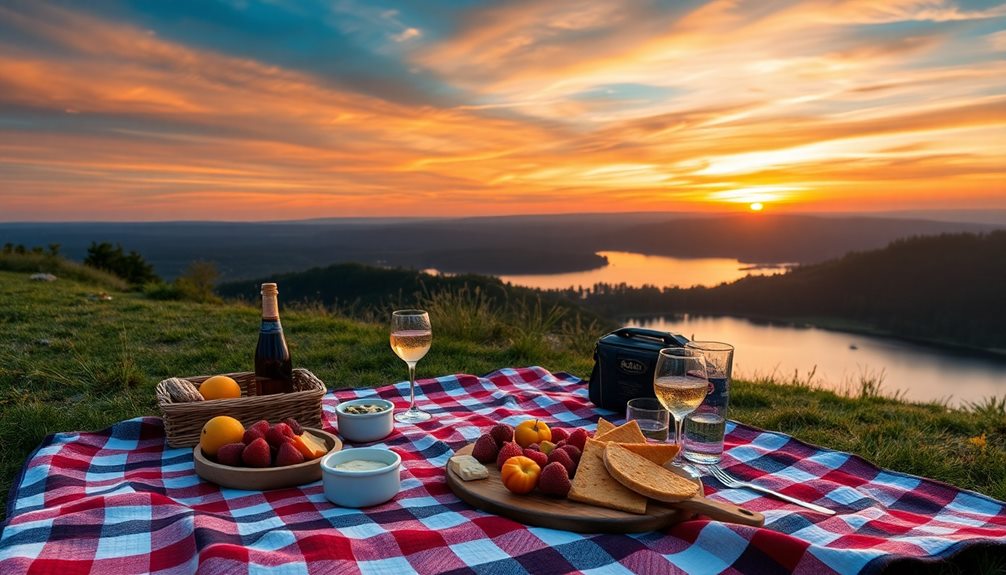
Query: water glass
[
  {"x": 652, "y": 418},
  {"x": 705, "y": 427}
]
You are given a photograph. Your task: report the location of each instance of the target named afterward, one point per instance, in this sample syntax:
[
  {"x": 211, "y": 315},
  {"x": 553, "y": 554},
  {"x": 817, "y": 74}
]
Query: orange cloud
[{"x": 565, "y": 106}]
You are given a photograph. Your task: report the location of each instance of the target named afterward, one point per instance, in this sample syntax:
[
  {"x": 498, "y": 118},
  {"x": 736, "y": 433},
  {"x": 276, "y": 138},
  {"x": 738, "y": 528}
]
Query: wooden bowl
[{"x": 254, "y": 479}]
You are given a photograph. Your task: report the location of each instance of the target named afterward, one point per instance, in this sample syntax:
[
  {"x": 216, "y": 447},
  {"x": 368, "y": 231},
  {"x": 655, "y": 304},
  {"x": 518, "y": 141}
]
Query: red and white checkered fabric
[{"x": 119, "y": 501}]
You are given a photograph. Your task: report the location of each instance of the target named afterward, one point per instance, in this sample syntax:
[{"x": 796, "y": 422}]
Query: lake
[
  {"x": 923, "y": 373},
  {"x": 638, "y": 270}
]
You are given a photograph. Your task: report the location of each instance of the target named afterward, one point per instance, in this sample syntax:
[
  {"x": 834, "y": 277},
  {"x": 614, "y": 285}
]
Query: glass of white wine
[
  {"x": 411, "y": 338},
  {"x": 680, "y": 382}
]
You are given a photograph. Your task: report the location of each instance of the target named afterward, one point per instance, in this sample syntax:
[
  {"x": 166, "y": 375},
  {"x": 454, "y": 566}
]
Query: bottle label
[{"x": 271, "y": 327}]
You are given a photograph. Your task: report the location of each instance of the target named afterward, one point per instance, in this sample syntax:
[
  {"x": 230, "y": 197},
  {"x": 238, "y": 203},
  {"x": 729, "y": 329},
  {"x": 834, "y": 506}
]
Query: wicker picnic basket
[{"x": 183, "y": 421}]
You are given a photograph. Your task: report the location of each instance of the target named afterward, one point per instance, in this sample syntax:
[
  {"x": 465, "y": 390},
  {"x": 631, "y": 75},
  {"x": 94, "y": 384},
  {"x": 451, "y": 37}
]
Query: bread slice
[
  {"x": 644, "y": 476},
  {"x": 659, "y": 453},
  {"x": 595, "y": 486},
  {"x": 603, "y": 426},
  {"x": 628, "y": 432}
]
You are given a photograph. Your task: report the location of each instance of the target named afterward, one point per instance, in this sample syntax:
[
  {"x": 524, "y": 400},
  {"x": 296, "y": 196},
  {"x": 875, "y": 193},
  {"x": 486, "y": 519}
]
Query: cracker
[
  {"x": 659, "y": 453},
  {"x": 646, "y": 477},
  {"x": 595, "y": 486},
  {"x": 603, "y": 426},
  {"x": 628, "y": 432}
]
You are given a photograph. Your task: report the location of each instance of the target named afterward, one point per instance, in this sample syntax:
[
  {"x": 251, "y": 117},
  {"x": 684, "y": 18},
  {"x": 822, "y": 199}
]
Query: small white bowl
[
  {"x": 361, "y": 488},
  {"x": 365, "y": 427}
]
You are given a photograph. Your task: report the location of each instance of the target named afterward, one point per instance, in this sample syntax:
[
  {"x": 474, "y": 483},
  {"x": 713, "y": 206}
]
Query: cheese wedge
[
  {"x": 628, "y": 432},
  {"x": 603, "y": 426},
  {"x": 595, "y": 486},
  {"x": 646, "y": 477},
  {"x": 659, "y": 453},
  {"x": 468, "y": 468}
]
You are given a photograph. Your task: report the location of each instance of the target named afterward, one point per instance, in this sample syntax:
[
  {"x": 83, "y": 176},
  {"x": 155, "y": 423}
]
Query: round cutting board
[
  {"x": 265, "y": 478},
  {"x": 543, "y": 511}
]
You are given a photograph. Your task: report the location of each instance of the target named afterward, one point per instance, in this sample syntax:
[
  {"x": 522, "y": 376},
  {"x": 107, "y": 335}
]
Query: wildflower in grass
[{"x": 978, "y": 441}]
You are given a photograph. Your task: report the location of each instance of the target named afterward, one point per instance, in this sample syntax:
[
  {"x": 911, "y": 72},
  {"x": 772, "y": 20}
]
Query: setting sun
[{"x": 756, "y": 207}]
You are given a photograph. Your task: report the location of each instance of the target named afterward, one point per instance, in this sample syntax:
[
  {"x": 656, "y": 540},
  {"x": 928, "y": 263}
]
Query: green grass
[
  {"x": 61, "y": 268},
  {"x": 71, "y": 362}
]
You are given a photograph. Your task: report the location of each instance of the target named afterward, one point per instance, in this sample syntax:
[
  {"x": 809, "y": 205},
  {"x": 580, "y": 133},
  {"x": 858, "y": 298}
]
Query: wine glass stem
[
  {"x": 678, "y": 424},
  {"x": 412, "y": 385}
]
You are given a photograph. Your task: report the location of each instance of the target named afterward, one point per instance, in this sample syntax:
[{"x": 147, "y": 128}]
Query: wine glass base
[
  {"x": 687, "y": 468},
  {"x": 412, "y": 416}
]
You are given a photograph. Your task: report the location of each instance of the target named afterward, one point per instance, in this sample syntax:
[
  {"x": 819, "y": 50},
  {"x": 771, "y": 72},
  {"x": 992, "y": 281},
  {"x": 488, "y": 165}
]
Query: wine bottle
[{"x": 273, "y": 368}]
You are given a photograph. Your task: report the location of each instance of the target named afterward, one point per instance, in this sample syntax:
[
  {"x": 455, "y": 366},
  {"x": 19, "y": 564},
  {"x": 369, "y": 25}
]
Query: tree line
[{"x": 950, "y": 287}]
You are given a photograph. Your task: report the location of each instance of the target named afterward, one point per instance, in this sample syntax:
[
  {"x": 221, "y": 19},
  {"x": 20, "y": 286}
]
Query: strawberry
[
  {"x": 230, "y": 454},
  {"x": 573, "y": 453},
  {"x": 251, "y": 434},
  {"x": 485, "y": 449},
  {"x": 501, "y": 433},
  {"x": 554, "y": 480},
  {"x": 538, "y": 457},
  {"x": 533, "y": 447},
  {"x": 560, "y": 456},
  {"x": 256, "y": 454},
  {"x": 558, "y": 434},
  {"x": 509, "y": 449},
  {"x": 279, "y": 434},
  {"x": 294, "y": 425},
  {"x": 262, "y": 426},
  {"x": 578, "y": 438},
  {"x": 288, "y": 454},
  {"x": 562, "y": 443}
]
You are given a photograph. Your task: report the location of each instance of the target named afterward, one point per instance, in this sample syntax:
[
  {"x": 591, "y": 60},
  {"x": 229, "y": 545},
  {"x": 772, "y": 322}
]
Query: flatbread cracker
[
  {"x": 644, "y": 476},
  {"x": 659, "y": 453},
  {"x": 603, "y": 426},
  {"x": 628, "y": 432},
  {"x": 595, "y": 486}
]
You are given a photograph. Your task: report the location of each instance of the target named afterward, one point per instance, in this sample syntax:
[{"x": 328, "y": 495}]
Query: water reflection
[
  {"x": 637, "y": 270},
  {"x": 839, "y": 360}
]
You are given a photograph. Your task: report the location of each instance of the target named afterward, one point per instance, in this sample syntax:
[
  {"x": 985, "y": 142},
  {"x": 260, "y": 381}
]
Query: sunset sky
[{"x": 282, "y": 109}]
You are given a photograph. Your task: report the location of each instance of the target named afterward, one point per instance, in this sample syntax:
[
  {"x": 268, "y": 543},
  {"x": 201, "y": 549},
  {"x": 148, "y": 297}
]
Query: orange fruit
[
  {"x": 520, "y": 474},
  {"x": 220, "y": 387},
  {"x": 531, "y": 431},
  {"x": 218, "y": 432}
]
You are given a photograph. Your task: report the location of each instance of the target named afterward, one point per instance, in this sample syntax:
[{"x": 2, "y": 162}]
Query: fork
[{"x": 734, "y": 483}]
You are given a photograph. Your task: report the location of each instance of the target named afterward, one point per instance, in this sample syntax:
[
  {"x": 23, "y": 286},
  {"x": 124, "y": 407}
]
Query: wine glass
[
  {"x": 680, "y": 382},
  {"x": 411, "y": 337}
]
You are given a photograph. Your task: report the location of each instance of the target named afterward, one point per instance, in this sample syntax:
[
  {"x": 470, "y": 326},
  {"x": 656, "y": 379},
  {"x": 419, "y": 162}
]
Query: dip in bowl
[
  {"x": 365, "y": 420},
  {"x": 361, "y": 477}
]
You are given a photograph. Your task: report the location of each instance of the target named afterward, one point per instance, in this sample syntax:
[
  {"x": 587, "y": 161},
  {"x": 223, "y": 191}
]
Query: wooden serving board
[
  {"x": 543, "y": 511},
  {"x": 265, "y": 478}
]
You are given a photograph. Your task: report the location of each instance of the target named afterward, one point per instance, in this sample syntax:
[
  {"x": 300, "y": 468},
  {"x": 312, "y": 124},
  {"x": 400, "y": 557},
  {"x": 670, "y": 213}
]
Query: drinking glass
[
  {"x": 680, "y": 383},
  {"x": 705, "y": 427},
  {"x": 411, "y": 337},
  {"x": 650, "y": 415}
]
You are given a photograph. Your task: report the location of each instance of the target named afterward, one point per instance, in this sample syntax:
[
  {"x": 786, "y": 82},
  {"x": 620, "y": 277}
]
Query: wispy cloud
[{"x": 523, "y": 106}]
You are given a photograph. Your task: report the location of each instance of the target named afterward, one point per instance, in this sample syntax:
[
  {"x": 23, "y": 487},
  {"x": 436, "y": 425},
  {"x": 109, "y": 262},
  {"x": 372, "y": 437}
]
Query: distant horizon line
[{"x": 692, "y": 213}]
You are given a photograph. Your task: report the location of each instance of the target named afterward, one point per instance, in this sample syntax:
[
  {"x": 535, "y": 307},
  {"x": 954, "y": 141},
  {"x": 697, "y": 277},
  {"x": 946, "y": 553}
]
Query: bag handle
[{"x": 667, "y": 338}]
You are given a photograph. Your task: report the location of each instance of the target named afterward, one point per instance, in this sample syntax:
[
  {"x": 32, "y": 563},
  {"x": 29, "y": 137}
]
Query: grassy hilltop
[{"x": 70, "y": 361}]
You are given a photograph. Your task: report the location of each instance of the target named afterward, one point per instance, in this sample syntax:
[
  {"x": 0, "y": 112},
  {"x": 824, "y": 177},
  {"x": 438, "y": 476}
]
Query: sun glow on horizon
[{"x": 757, "y": 207}]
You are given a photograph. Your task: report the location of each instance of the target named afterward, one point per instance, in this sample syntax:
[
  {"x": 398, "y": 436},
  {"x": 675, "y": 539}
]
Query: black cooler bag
[{"x": 624, "y": 362}]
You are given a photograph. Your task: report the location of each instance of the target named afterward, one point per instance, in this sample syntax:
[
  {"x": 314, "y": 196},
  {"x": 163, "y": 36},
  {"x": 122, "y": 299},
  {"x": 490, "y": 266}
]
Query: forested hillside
[{"x": 949, "y": 288}]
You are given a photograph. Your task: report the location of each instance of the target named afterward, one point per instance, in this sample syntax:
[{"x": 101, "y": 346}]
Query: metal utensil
[{"x": 734, "y": 483}]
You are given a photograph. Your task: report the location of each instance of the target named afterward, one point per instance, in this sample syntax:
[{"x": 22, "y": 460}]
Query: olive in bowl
[{"x": 365, "y": 420}]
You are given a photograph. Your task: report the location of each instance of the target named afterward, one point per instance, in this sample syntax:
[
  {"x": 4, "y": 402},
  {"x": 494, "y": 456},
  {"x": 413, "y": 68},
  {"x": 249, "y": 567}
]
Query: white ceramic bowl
[
  {"x": 361, "y": 488},
  {"x": 365, "y": 427}
]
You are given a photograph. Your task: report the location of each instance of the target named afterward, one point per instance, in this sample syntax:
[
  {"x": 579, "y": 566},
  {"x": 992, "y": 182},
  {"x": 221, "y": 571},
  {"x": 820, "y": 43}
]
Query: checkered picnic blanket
[{"x": 119, "y": 501}]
